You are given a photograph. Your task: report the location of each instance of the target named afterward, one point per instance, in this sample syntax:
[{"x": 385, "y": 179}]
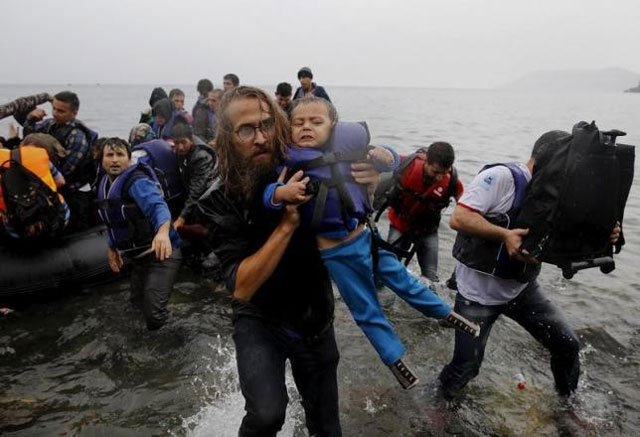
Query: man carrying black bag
[{"x": 496, "y": 277}]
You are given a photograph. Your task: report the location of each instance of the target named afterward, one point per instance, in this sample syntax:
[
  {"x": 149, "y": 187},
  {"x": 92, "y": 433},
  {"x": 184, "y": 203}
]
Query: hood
[{"x": 157, "y": 94}]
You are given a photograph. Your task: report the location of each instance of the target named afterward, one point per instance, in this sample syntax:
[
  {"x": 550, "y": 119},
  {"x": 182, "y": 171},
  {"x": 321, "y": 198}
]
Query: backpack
[
  {"x": 577, "y": 194},
  {"x": 29, "y": 200}
]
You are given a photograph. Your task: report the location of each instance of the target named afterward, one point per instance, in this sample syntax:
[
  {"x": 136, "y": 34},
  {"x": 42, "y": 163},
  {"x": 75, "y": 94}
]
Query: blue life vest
[
  {"x": 128, "y": 227},
  {"x": 339, "y": 202},
  {"x": 491, "y": 256},
  {"x": 159, "y": 155}
]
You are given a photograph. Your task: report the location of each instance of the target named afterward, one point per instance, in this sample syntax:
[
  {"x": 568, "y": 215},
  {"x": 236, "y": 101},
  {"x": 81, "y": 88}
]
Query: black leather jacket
[
  {"x": 298, "y": 295},
  {"x": 196, "y": 169}
]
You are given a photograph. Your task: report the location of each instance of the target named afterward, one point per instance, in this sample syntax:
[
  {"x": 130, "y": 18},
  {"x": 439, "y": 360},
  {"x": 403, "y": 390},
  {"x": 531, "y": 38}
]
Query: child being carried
[{"x": 319, "y": 162}]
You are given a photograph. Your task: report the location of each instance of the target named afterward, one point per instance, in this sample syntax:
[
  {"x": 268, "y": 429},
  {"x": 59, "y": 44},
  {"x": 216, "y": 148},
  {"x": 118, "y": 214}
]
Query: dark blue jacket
[{"x": 316, "y": 90}]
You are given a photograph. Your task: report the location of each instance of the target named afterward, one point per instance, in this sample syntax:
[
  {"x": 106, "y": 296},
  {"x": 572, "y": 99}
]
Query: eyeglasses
[{"x": 247, "y": 132}]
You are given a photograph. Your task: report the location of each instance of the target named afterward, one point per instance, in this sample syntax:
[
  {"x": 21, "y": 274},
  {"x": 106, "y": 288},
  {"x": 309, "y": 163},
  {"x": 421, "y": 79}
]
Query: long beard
[{"x": 254, "y": 176}]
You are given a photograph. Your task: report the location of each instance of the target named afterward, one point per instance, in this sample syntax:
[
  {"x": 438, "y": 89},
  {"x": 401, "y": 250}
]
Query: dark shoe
[
  {"x": 461, "y": 324},
  {"x": 451, "y": 283},
  {"x": 404, "y": 375}
]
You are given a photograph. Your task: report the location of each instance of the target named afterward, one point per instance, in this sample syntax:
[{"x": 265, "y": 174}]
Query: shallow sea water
[{"x": 79, "y": 362}]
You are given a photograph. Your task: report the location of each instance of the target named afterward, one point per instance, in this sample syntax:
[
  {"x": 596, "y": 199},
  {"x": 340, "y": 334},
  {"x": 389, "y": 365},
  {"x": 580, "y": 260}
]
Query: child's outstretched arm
[{"x": 384, "y": 158}]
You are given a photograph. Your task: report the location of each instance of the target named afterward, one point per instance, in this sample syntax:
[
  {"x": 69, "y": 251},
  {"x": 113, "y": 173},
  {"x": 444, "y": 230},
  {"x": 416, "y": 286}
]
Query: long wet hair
[{"x": 232, "y": 166}]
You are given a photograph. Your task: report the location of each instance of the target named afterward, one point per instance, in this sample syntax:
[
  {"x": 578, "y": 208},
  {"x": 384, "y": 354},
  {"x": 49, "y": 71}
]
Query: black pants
[
  {"x": 261, "y": 353},
  {"x": 535, "y": 313},
  {"x": 151, "y": 285}
]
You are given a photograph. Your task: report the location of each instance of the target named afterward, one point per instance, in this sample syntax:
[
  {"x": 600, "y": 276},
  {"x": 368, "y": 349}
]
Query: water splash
[{"x": 224, "y": 404}]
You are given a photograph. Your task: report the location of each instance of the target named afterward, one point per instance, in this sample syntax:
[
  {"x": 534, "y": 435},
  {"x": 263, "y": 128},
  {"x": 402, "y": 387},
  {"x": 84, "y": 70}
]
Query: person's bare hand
[
  {"x": 36, "y": 115},
  {"x": 179, "y": 222},
  {"x": 290, "y": 218},
  {"x": 14, "y": 132},
  {"x": 35, "y": 229},
  {"x": 294, "y": 191},
  {"x": 161, "y": 245},
  {"x": 513, "y": 243},
  {"x": 115, "y": 260},
  {"x": 364, "y": 173},
  {"x": 615, "y": 233},
  {"x": 381, "y": 154}
]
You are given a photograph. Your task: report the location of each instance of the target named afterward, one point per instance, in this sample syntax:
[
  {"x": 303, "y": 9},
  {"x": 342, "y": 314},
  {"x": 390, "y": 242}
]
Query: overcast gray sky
[{"x": 430, "y": 43}]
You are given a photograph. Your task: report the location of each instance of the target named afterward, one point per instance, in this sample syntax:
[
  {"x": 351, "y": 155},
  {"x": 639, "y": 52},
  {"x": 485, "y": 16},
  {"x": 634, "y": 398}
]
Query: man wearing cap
[{"x": 308, "y": 87}]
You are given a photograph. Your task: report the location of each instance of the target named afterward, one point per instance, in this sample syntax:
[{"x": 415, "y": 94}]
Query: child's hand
[
  {"x": 13, "y": 131},
  {"x": 381, "y": 154},
  {"x": 293, "y": 192}
]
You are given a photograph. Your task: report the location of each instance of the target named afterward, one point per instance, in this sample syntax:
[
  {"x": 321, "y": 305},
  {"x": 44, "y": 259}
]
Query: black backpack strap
[
  {"x": 453, "y": 182},
  {"x": 337, "y": 181},
  {"x": 331, "y": 158},
  {"x": 377, "y": 242},
  {"x": 16, "y": 156},
  {"x": 318, "y": 210},
  {"x": 395, "y": 189}
]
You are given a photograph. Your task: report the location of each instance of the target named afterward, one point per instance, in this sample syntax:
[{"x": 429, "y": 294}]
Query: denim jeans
[
  {"x": 426, "y": 251},
  {"x": 261, "y": 352},
  {"x": 534, "y": 312}
]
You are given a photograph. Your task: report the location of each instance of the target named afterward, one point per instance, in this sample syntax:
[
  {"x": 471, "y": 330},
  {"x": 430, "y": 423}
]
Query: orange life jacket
[{"x": 36, "y": 160}]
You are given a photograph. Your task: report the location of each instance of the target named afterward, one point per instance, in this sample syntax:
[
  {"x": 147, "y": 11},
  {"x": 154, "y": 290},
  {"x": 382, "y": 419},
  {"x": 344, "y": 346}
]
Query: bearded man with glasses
[{"x": 282, "y": 297}]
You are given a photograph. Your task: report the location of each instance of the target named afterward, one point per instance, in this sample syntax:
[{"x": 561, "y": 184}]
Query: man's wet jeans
[
  {"x": 261, "y": 353},
  {"x": 151, "y": 286},
  {"x": 426, "y": 251},
  {"x": 535, "y": 313}
]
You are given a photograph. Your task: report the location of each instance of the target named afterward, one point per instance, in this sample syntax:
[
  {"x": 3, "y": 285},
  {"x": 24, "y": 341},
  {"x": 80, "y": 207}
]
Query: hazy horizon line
[{"x": 155, "y": 84}]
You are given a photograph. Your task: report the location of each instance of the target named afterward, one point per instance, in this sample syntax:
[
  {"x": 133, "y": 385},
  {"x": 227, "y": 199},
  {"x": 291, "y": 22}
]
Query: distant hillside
[
  {"x": 614, "y": 80},
  {"x": 635, "y": 89}
]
